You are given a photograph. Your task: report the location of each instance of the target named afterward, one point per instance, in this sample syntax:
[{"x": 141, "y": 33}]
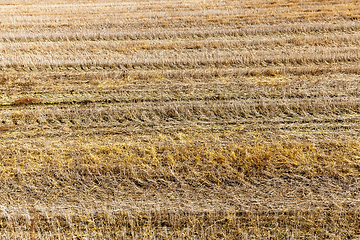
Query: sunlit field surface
[{"x": 193, "y": 119}]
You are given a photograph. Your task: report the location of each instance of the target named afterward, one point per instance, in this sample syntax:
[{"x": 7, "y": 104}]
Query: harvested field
[{"x": 216, "y": 119}]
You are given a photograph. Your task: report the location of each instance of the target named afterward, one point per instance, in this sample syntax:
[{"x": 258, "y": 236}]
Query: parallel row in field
[
  {"x": 171, "y": 59},
  {"x": 228, "y": 121},
  {"x": 133, "y": 33}
]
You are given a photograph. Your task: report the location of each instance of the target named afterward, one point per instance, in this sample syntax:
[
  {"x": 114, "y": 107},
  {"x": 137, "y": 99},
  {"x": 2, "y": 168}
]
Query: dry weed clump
[
  {"x": 179, "y": 119},
  {"x": 26, "y": 101}
]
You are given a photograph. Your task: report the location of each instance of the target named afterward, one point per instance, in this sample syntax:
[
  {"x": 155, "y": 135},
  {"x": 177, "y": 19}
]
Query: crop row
[
  {"x": 102, "y": 47},
  {"x": 288, "y": 81},
  {"x": 156, "y": 33},
  {"x": 276, "y": 87},
  {"x": 181, "y": 111},
  {"x": 180, "y": 60}
]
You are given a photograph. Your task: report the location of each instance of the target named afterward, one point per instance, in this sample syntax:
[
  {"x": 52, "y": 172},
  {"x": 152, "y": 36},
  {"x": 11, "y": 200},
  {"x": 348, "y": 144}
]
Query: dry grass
[{"x": 179, "y": 119}]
